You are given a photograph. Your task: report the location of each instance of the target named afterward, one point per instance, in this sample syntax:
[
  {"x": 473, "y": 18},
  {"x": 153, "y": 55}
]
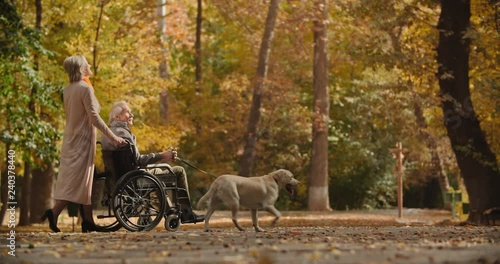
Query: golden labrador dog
[{"x": 250, "y": 192}]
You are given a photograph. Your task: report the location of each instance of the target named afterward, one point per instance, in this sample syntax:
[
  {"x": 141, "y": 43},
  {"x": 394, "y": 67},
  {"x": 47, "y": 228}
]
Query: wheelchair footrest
[{"x": 105, "y": 216}]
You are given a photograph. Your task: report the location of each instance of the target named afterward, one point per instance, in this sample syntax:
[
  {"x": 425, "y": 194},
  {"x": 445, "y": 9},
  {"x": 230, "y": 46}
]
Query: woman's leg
[
  {"x": 87, "y": 214},
  {"x": 88, "y": 224},
  {"x": 53, "y": 214},
  {"x": 57, "y": 209}
]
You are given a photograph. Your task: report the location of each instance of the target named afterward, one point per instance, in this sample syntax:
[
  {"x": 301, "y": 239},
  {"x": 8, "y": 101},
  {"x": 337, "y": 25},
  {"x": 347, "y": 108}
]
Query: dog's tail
[{"x": 205, "y": 198}]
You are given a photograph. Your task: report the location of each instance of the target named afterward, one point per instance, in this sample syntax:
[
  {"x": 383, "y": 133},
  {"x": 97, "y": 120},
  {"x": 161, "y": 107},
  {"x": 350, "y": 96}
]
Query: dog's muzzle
[{"x": 291, "y": 187}]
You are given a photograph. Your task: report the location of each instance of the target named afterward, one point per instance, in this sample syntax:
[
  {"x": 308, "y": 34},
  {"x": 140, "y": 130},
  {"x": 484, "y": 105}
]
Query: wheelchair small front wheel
[{"x": 172, "y": 222}]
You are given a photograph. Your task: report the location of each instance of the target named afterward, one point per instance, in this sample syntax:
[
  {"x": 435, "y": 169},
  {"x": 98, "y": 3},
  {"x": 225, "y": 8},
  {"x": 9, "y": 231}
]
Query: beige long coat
[{"x": 74, "y": 182}]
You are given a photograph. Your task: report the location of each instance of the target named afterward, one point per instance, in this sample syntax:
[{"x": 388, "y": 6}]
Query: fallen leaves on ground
[{"x": 310, "y": 237}]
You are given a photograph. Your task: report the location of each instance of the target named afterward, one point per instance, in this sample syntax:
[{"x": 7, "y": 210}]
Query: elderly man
[{"x": 121, "y": 120}]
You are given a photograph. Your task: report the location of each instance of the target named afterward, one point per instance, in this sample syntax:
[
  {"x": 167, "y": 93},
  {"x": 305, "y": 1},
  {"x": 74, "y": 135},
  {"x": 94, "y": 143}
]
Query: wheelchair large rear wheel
[
  {"x": 104, "y": 217},
  {"x": 139, "y": 201}
]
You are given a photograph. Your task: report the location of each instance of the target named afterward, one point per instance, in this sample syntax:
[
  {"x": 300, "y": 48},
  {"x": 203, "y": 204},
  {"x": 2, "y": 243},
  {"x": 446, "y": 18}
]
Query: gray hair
[
  {"x": 116, "y": 110},
  {"x": 75, "y": 66}
]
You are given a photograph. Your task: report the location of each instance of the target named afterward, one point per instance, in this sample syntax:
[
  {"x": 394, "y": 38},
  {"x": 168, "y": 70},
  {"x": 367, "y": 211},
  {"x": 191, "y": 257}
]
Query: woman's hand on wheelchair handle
[{"x": 118, "y": 141}]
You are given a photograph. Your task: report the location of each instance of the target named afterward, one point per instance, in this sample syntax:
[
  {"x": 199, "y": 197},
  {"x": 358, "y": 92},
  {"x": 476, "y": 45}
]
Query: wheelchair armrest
[{"x": 159, "y": 166}]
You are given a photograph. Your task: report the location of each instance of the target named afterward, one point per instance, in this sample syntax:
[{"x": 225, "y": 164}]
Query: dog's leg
[
  {"x": 272, "y": 210},
  {"x": 255, "y": 221},
  {"x": 234, "y": 211},
  {"x": 209, "y": 213},
  {"x": 214, "y": 204}
]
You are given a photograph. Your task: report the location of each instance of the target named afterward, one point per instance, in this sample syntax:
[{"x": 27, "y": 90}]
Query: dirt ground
[{"x": 420, "y": 236}]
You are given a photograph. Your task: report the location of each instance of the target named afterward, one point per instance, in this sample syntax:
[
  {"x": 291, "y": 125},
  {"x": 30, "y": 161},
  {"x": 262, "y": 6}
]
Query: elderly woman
[{"x": 74, "y": 182}]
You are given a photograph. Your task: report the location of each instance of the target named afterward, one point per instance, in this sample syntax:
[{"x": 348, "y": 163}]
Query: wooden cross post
[{"x": 397, "y": 153}]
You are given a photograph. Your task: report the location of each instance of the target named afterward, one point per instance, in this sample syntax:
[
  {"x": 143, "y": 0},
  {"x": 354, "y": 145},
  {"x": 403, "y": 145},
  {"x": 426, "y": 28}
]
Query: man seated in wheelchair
[{"x": 121, "y": 120}]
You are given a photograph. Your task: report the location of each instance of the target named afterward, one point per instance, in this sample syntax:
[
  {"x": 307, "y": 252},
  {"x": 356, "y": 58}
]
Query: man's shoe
[
  {"x": 192, "y": 218},
  {"x": 199, "y": 218}
]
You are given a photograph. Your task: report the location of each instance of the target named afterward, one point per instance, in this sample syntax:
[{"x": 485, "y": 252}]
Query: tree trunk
[
  {"x": 161, "y": 11},
  {"x": 41, "y": 185},
  {"x": 247, "y": 158},
  {"x": 437, "y": 166},
  {"x": 477, "y": 163},
  {"x": 164, "y": 105},
  {"x": 318, "y": 186},
  {"x": 24, "y": 218},
  {"x": 24, "y": 206},
  {"x": 163, "y": 67},
  {"x": 38, "y": 26},
  {"x": 27, "y": 198},
  {"x": 197, "y": 47},
  {"x": 96, "y": 41}
]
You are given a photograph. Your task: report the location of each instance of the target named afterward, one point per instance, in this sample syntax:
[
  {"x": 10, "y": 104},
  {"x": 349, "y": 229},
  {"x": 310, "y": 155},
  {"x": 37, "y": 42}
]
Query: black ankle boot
[
  {"x": 52, "y": 222},
  {"x": 88, "y": 227}
]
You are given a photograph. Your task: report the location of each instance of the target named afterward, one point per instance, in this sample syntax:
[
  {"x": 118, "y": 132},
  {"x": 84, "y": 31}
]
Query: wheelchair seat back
[{"x": 120, "y": 161}]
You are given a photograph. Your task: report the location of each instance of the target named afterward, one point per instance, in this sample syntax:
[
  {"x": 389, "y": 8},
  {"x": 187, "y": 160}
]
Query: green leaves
[{"x": 26, "y": 98}]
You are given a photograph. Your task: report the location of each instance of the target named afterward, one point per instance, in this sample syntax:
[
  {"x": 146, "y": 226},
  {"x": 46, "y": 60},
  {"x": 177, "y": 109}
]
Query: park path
[{"x": 421, "y": 236}]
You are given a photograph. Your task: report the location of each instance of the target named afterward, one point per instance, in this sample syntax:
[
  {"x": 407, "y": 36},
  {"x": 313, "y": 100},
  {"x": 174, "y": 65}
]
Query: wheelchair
[{"x": 126, "y": 195}]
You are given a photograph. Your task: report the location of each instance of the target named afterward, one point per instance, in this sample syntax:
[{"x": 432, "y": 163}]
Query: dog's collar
[{"x": 276, "y": 181}]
